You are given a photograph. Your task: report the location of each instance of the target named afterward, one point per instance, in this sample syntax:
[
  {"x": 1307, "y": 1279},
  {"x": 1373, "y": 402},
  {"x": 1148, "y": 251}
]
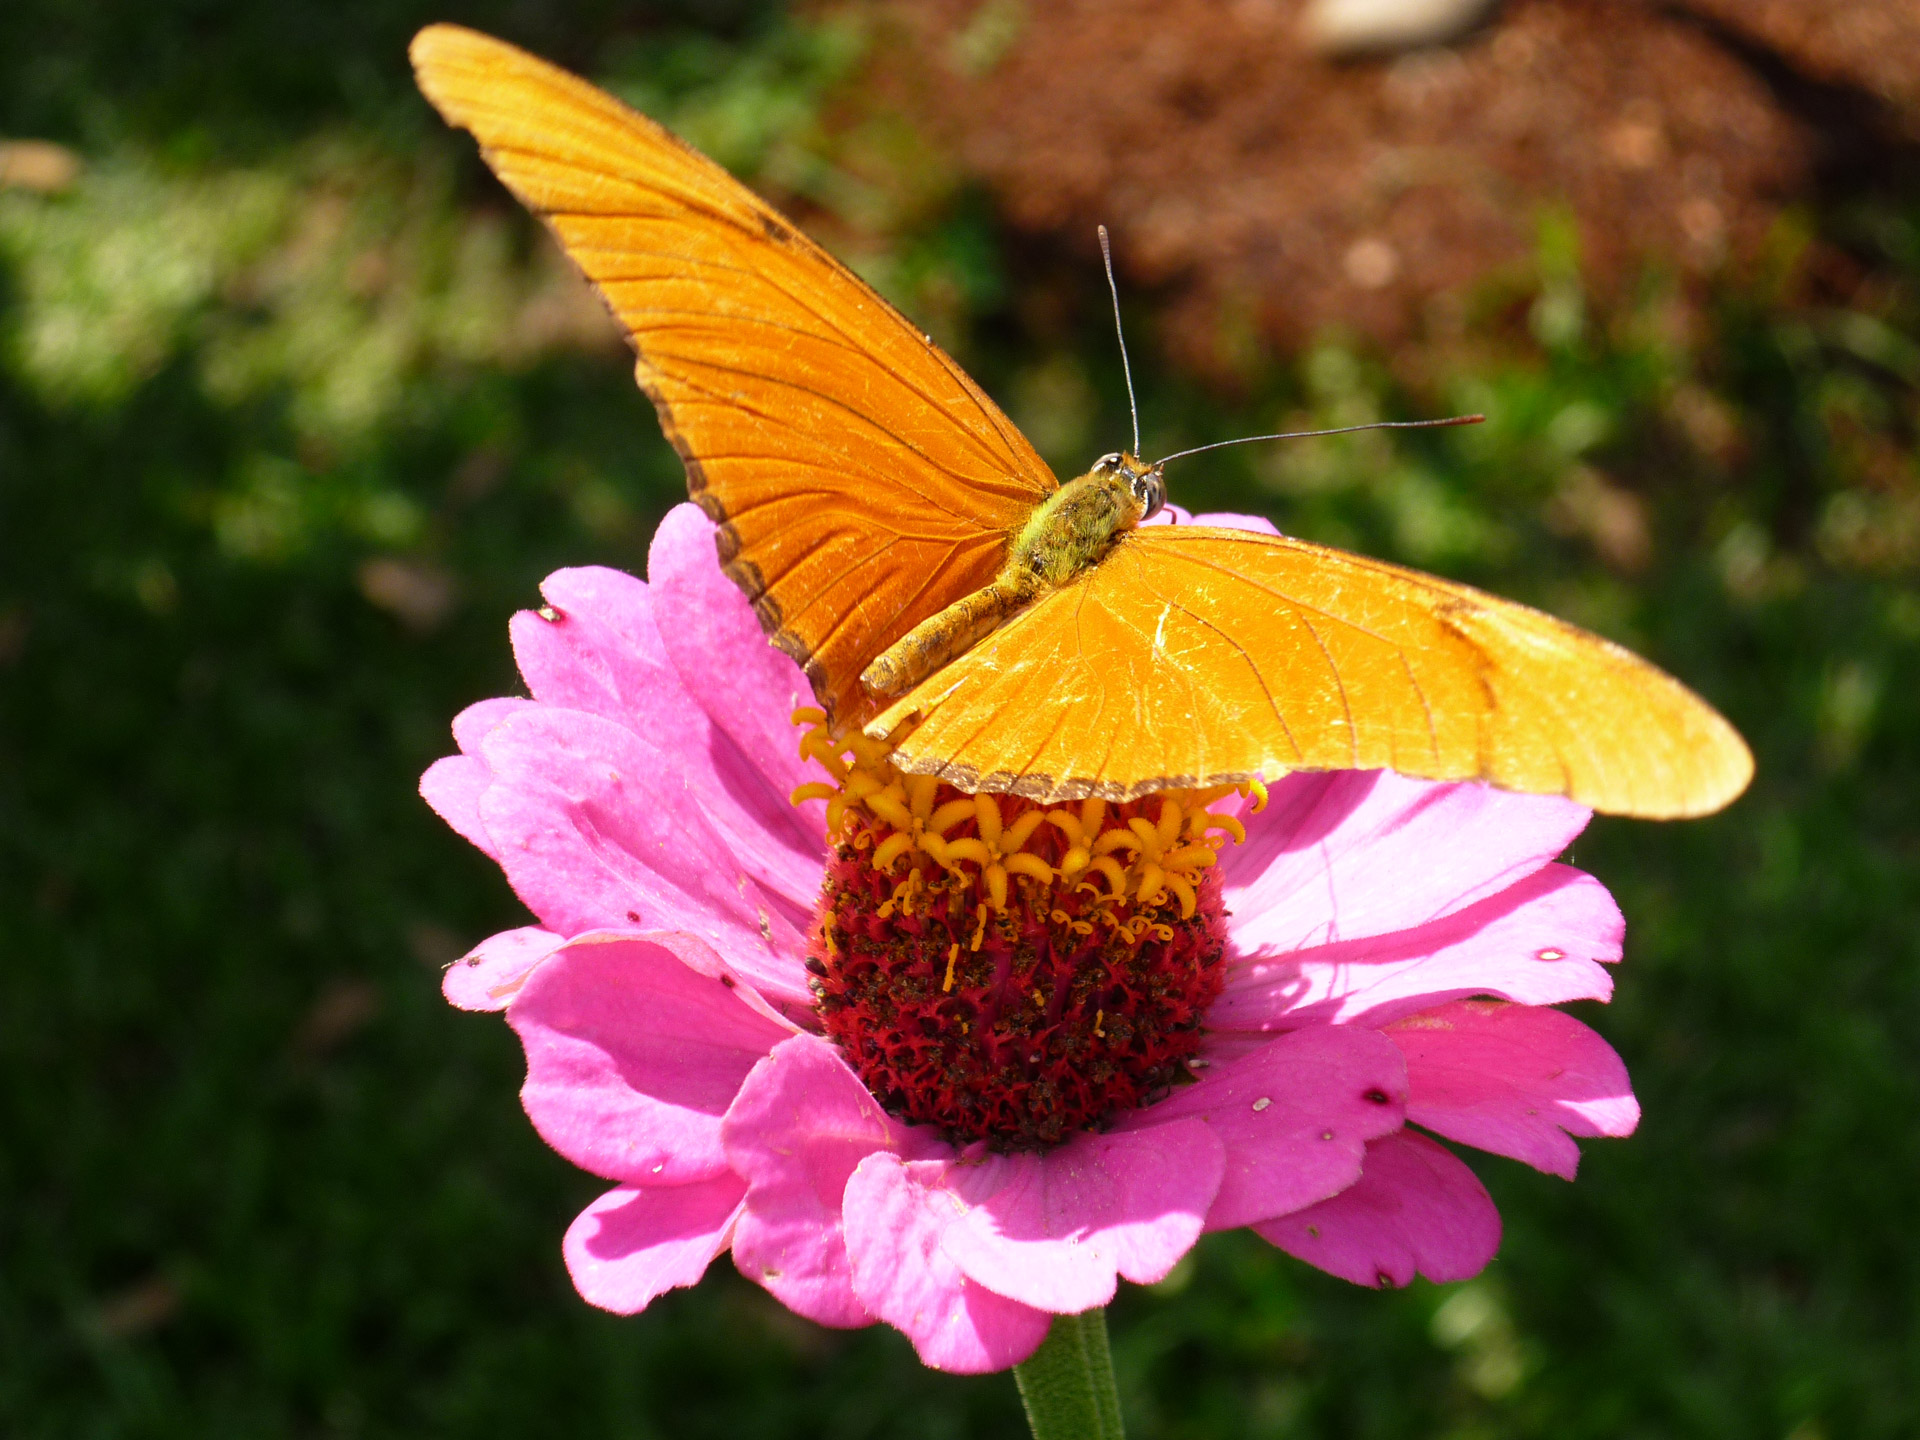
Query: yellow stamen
[
  {"x": 1230, "y": 824},
  {"x": 1031, "y": 866},
  {"x": 1168, "y": 829},
  {"x": 953, "y": 956},
  {"x": 986, "y": 812},
  {"x": 967, "y": 848},
  {"x": 891, "y": 849}
]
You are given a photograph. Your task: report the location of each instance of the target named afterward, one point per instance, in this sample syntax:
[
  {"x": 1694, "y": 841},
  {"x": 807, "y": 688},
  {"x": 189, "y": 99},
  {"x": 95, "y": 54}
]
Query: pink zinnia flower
[{"x": 963, "y": 1108}]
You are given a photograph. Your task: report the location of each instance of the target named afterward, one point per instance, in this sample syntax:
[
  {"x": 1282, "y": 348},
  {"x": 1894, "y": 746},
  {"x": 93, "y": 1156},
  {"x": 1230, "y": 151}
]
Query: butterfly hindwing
[
  {"x": 1194, "y": 656},
  {"x": 861, "y": 480}
]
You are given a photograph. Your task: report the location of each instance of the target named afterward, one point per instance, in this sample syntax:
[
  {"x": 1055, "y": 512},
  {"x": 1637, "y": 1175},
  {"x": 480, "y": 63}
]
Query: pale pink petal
[
  {"x": 491, "y": 974},
  {"x": 799, "y": 1126},
  {"x": 1355, "y": 853},
  {"x": 635, "y": 1048},
  {"x": 1230, "y": 520},
  {"x": 1416, "y": 1208},
  {"x": 592, "y": 834},
  {"x": 601, "y": 652},
  {"x": 453, "y": 786},
  {"x": 634, "y": 1243},
  {"x": 896, "y": 1211},
  {"x": 473, "y": 724},
  {"x": 1055, "y": 1230},
  {"x": 1514, "y": 1079},
  {"x": 1544, "y": 940},
  {"x": 1295, "y": 1117},
  {"x": 750, "y": 689},
  {"x": 1220, "y": 519},
  {"x": 593, "y": 647}
]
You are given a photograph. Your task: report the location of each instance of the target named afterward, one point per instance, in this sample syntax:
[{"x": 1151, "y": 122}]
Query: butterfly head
[{"x": 1146, "y": 483}]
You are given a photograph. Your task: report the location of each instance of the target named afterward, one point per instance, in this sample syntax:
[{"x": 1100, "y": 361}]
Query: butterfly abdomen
[
  {"x": 952, "y": 632},
  {"x": 1066, "y": 535}
]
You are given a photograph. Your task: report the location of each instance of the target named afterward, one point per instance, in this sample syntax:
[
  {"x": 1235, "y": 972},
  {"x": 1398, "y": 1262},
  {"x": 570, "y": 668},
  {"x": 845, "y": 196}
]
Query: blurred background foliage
[{"x": 296, "y": 409}]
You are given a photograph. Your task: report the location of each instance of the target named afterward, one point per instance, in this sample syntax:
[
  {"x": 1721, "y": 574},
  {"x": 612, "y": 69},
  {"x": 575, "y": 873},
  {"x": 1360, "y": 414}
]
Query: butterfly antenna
[
  {"x": 1106, "y": 254},
  {"x": 1312, "y": 434}
]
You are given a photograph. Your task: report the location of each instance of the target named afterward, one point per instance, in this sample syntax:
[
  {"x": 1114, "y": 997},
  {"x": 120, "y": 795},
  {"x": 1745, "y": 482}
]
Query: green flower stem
[{"x": 1067, "y": 1385}]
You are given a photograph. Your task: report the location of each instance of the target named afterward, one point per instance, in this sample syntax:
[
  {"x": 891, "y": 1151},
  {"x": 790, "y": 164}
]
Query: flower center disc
[{"x": 1008, "y": 972}]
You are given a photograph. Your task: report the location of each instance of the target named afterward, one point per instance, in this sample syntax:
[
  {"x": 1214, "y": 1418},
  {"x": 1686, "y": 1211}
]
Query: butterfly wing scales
[
  {"x": 860, "y": 479},
  {"x": 1194, "y": 656}
]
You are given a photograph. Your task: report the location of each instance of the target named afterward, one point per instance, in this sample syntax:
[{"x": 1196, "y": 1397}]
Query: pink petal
[
  {"x": 750, "y": 689},
  {"x": 896, "y": 1212},
  {"x": 491, "y": 974},
  {"x": 799, "y": 1126},
  {"x": 1544, "y": 940},
  {"x": 473, "y": 724},
  {"x": 1515, "y": 1080},
  {"x": 1220, "y": 519},
  {"x": 1416, "y": 1208},
  {"x": 1229, "y": 520},
  {"x": 1354, "y": 853},
  {"x": 602, "y": 653},
  {"x": 635, "y": 1048},
  {"x": 1056, "y": 1230},
  {"x": 593, "y": 833},
  {"x": 594, "y": 648},
  {"x": 453, "y": 786},
  {"x": 1294, "y": 1116},
  {"x": 633, "y": 1244}
]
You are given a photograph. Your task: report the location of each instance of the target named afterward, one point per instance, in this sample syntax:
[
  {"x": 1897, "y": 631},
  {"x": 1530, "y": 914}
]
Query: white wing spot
[{"x": 1160, "y": 630}]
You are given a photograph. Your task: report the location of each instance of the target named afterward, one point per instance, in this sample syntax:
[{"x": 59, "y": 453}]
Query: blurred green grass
[{"x": 295, "y": 410}]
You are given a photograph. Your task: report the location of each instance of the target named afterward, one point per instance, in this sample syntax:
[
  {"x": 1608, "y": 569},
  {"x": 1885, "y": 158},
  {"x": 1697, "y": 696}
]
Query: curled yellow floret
[{"x": 1148, "y": 855}]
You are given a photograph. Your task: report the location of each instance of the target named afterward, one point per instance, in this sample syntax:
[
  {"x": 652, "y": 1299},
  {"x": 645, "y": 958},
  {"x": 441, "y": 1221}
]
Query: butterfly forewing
[
  {"x": 861, "y": 481},
  {"x": 1195, "y": 656}
]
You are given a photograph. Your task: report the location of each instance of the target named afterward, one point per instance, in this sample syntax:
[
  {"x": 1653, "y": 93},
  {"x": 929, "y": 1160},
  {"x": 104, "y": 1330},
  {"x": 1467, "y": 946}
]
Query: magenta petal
[
  {"x": 1295, "y": 1117},
  {"x": 635, "y": 1048},
  {"x": 1544, "y": 940},
  {"x": 1231, "y": 520},
  {"x": 799, "y": 1126},
  {"x": 602, "y": 653},
  {"x": 473, "y": 724},
  {"x": 896, "y": 1211},
  {"x": 1515, "y": 1080},
  {"x": 594, "y": 832},
  {"x": 1354, "y": 853},
  {"x": 1416, "y": 1207},
  {"x": 491, "y": 974},
  {"x": 749, "y": 688},
  {"x": 633, "y": 1244},
  {"x": 593, "y": 647},
  {"x": 1056, "y": 1230},
  {"x": 453, "y": 786}
]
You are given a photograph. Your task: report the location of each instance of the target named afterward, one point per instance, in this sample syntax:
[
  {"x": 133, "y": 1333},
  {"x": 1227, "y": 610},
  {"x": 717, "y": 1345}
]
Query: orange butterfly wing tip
[
  {"x": 860, "y": 479},
  {"x": 1193, "y": 656}
]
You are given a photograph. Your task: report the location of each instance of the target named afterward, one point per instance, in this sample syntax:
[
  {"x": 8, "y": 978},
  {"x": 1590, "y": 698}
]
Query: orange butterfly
[{"x": 901, "y": 540}]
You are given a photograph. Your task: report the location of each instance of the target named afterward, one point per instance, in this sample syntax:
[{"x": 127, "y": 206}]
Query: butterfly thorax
[{"x": 1068, "y": 533}]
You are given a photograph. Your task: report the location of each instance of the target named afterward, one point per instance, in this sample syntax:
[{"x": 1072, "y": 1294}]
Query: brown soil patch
[
  {"x": 1872, "y": 45},
  {"x": 1265, "y": 187}
]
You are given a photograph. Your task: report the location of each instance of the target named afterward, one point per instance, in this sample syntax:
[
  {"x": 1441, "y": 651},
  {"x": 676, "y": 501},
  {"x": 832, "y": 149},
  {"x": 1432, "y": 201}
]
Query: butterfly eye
[
  {"x": 1108, "y": 464},
  {"x": 1150, "y": 489}
]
